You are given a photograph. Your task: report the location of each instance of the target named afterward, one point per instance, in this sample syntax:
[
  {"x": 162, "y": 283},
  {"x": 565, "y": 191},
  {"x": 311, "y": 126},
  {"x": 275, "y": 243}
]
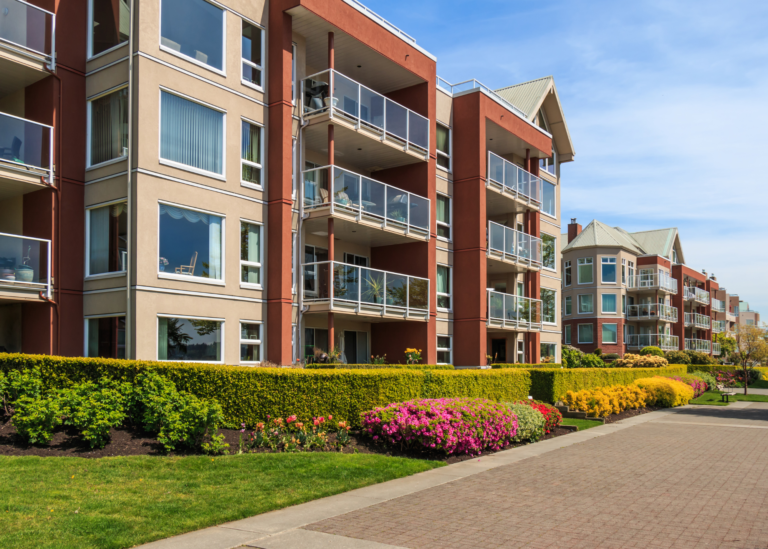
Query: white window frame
[
  {"x": 567, "y": 266},
  {"x": 623, "y": 304},
  {"x": 259, "y": 186},
  {"x": 188, "y": 317},
  {"x": 609, "y": 261},
  {"x": 223, "y": 70},
  {"x": 260, "y": 86},
  {"x": 449, "y": 156},
  {"x": 554, "y": 238},
  {"x": 450, "y": 288},
  {"x": 449, "y": 349},
  {"x": 578, "y": 334},
  {"x": 567, "y": 334},
  {"x": 586, "y": 261},
  {"x": 88, "y": 118},
  {"x": 195, "y": 279},
  {"x": 294, "y": 262},
  {"x": 85, "y": 329},
  {"x": 602, "y": 301},
  {"x": 88, "y": 275},
  {"x": 259, "y": 342},
  {"x": 90, "y": 36},
  {"x": 554, "y": 184},
  {"x": 568, "y": 305},
  {"x": 578, "y": 304},
  {"x": 178, "y": 165},
  {"x": 554, "y": 306},
  {"x": 602, "y": 341},
  {"x": 549, "y": 343},
  {"x": 294, "y": 178},
  {"x": 260, "y": 264},
  {"x": 623, "y": 272},
  {"x": 348, "y": 254},
  {"x": 450, "y": 216}
]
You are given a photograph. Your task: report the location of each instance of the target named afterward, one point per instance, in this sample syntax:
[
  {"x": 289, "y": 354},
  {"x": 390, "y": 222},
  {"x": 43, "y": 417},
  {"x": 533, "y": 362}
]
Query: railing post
[
  {"x": 360, "y": 196},
  {"x": 331, "y": 186},
  {"x": 49, "y": 268}
]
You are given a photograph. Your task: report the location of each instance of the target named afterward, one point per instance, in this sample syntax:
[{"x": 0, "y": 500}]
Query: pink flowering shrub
[
  {"x": 451, "y": 425},
  {"x": 698, "y": 385}
]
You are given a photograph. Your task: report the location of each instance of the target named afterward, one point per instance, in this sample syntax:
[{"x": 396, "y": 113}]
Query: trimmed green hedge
[
  {"x": 712, "y": 368},
  {"x": 379, "y": 367},
  {"x": 249, "y": 395},
  {"x": 551, "y": 385},
  {"x": 521, "y": 365}
]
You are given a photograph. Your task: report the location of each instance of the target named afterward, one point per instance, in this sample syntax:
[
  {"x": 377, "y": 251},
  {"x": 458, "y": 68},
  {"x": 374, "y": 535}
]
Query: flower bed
[
  {"x": 452, "y": 425},
  {"x": 696, "y": 383},
  {"x": 530, "y": 422},
  {"x": 552, "y": 416}
]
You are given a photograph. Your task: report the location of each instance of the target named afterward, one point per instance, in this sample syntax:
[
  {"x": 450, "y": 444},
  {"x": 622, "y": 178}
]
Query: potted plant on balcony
[{"x": 23, "y": 272}]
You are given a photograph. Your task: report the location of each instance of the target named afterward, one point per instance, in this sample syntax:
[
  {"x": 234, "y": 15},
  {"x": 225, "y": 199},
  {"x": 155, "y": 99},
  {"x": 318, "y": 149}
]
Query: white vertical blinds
[
  {"x": 191, "y": 134},
  {"x": 109, "y": 126}
]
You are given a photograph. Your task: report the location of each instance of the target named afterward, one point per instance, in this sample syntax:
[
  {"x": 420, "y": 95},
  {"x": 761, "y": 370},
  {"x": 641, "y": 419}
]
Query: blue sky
[{"x": 665, "y": 102}]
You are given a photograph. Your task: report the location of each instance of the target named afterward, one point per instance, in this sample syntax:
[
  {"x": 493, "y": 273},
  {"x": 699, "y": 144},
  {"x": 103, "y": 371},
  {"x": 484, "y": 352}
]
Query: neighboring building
[
  {"x": 741, "y": 313},
  {"x": 624, "y": 291},
  {"x": 299, "y": 179}
]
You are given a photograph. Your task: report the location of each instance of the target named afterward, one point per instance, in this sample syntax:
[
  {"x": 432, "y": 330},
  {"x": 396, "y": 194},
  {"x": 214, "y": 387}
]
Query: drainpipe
[
  {"x": 56, "y": 222},
  {"x": 128, "y": 263}
]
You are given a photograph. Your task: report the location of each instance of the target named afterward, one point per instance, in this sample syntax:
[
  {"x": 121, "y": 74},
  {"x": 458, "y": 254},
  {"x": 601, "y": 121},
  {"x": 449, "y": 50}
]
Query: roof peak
[{"x": 550, "y": 77}]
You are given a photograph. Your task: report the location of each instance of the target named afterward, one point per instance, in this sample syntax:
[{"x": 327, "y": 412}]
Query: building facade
[{"x": 266, "y": 181}]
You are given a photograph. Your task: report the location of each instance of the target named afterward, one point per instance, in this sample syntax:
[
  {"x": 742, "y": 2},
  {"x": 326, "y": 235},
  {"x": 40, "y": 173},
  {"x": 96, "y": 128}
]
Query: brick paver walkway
[{"x": 693, "y": 479}]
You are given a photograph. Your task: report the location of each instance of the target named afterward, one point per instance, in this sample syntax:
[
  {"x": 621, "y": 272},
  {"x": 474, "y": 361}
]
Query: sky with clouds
[{"x": 665, "y": 102}]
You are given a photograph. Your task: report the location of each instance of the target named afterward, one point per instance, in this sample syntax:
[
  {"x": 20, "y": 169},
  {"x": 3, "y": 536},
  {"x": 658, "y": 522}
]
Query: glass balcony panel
[
  {"x": 511, "y": 308},
  {"x": 26, "y": 26},
  {"x": 23, "y": 260},
  {"x": 496, "y": 169},
  {"x": 346, "y": 189},
  {"x": 372, "y": 286},
  {"x": 24, "y": 142},
  {"x": 496, "y": 305},
  {"x": 346, "y": 282},
  {"x": 419, "y": 212},
  {"x": 316, "y": 278},
  {"x": 316, "y": 89},
  {"x": 418, "y": 130},
  {"x": 418, "y": 293},
  {"x": 397, "y": 290},
  {"x": 316, "y": 187},
  {"x": 397, "y": 120},
  {"x": 345, "y": 95},
  {"x": 397, "y": 205},
  {"x": 374, "y": 196},
  {"x": 510, "y": 241},
  {"x": 497, "y": 237},
  {"x": 510, "y": 176},
  {"x": 371, "y": 108}
]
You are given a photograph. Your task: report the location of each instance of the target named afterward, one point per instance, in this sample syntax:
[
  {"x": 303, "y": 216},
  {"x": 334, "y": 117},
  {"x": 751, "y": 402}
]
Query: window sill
[
  {"x": 440, "y": 310},
  {"x": 253, "y": 87},
  {"x": 191, "y": 361},
  {"x": 246, "y": 286},
  {"x": 193, "y": 60},
  {"x": 253, "y": 186},
  {"x": 191, "y": 169},
  {"x": 106, "y": 52},
  {"x": 193, "y": 279},
  {"x": 106, "y": 163},
  {"x": 102, "y": 276}
]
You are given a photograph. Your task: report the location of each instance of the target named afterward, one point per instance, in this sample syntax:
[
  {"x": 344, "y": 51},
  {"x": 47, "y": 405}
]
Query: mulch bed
[
  {"x": 613, "y": 418},
  {"x": 134, "y": 442}
]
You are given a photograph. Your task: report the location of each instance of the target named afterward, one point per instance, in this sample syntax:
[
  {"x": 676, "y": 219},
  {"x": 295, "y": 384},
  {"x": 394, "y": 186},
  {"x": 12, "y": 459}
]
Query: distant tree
[
  {"x": 751, "y": 348},
  {"x": 727, "y": 344}
]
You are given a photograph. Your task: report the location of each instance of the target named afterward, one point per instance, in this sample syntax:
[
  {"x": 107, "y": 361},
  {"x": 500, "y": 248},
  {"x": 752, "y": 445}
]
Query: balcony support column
[{"x": 331, "y": 48}]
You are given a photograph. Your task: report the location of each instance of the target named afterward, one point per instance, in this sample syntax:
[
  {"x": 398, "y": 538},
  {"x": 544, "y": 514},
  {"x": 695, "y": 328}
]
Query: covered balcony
[
  {"x": 26, "y": 156},
  {"x": 330, "y": 286},
  {"x": 513, "y": 313},
  {"x": 366, "y": 211},
  {"x": 653, "y": 312},
  {"x": 510, "y": 250},
  {"x": 718, "y": 305},
  {"x": 718, "y": 326},
  {"x": 27, "y": 44},
  {"x": 716, "y": 349},
  {"x": 509, "y": 188},
  {"x": 25, "y": 273},
  {"x": 699, "y": 345},
  {"x": 663, "y": 341},
  {"x": 697, "y": 294},
  {"x": 652, "y": 282},
  {"x": 698, "y": 321}
]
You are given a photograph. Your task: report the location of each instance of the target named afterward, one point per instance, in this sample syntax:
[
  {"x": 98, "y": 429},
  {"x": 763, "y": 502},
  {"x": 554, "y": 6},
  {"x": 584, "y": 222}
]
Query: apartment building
[
  {"x": 624, "y": 291},
  {"x": 741, "y": 314},
  {"x": 265, "y": 181}
]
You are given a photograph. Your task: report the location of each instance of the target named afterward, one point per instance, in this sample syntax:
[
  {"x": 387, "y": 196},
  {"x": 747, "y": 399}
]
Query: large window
[
  {"x": 191, "y": 243},
  {"x": 610, "y": 333},
  {"x": 250, "y": 155},
  {"x": 443, "y": 287},
  {"x": 191, "y": 134},
  {"x": 624, "y": 271},
  {"x": 315, "y": 343},
  {"x": 193, "y": 29},
  {"x": 567, "y": 334},
  {"x": 549, "y": 165},
  {"x": 250, "y": 342},
  {"x": 107, "y": 228},
  {"x": 443, "y": 217},
  {"x": 608, "y": 303},
  {"x": 444, "y": 353},
  {"x": 548, "y": 353},
  {"x": 623, "y": 304},
  {"x": 105, "y": 337},
  {"x": 608, "y": 272},
  {"x": 568, "y": 276},
  {"x": 252, "y": 51},
  {"x": 548, "y": 306},
  {"x": 110, "y": 22},
  {"x": 585, "y": 333},
  {"x": 250, "y": 254},
  {"x": 548, "y": 198},
  {"x": 443, "y": 147},
  {"x": 108, "y": 127},
  {"x": 193, "y": 339},
  {"x": 569, "y": 305},
  {"x": 585, "y": 270},
  {"x": 586, "y": 304},
  {"x": 549, "y": 251}
]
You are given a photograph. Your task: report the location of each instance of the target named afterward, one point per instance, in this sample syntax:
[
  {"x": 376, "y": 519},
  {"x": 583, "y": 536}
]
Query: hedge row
[
  {"x": 249, "y": 395},
  {"x": 551, "y": 385},
  {"x": 379, "y": 367},
  {"x": 712, "y": 368},
  {"x": 519, "y": 365}
]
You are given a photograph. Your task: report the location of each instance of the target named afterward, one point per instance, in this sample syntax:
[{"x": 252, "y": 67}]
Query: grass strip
[
  {"x": 711, "y": 398},
  {"x": 582, "y": 424}
]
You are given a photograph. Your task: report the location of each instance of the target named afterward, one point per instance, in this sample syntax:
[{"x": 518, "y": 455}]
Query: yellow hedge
[
  {"x": 666, "y": 392},
  {"x": 605, "y": 401},
  {"x": 640, "y": 361}
]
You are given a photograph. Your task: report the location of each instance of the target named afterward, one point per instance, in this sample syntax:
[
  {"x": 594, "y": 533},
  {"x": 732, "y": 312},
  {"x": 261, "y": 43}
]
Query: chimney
[
  {"x": 713, "y": 277},
  {"x": 574, "y": 230}
]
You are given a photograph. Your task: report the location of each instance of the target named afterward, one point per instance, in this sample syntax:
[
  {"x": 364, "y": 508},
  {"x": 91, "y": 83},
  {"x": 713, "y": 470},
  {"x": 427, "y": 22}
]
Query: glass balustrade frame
[
  {"x": 698, "y": 320},
  {"x": 522, "y": 178},
  {"x": 699, "y": 345},
  {"x": 532, "y": 257},
  {"x": 654, "y": 281},
  {"x": 663, "y": 341},
  {"x": 524, "y": 313},
  {"x": 42, "y": 287},
  {"x": 22, "y": 166},
  {"x": 50, "y": 57},
  {"x": 697, "y": 294},
  {"x": 718, "y": 326},
  {"x": 652, "y": 311}
]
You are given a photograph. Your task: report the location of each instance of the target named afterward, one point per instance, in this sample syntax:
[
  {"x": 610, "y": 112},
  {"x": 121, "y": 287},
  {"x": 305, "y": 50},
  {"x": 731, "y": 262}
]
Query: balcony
[
  {"x": 698, "y": 321},
  {"x": 512, "y": 312},
  {"x": 662, "y": 341},
  {"x": 718, "y": 326},
  {"x": 700, "y": 345},
  {"x": 716, "y": 349},
  {"x": 27, "y": 44},
  {"x": 394, "y": 135},
  {"x": 521, "y": 189},
  {"x": 697, "y": 294},
  {"x": 511, "y": 251},
  {"x": 26, "y": 155},
  {"x": 366, "y": 211},
  {"x": 718, "y": 306},
  {"x": 470, "y": 85},
  {"x": 360, "y": 291},
  {"x": 652, "y": 282},
  {"x": 653, "y": 312},
  {"x": 24, "y": 268}
]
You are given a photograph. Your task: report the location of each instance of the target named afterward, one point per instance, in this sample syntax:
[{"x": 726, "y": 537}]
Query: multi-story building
[
  {"x": 262, "y": 181},
  {"x": 624, "y": 291},
  {"x": 741, "y": 314}
]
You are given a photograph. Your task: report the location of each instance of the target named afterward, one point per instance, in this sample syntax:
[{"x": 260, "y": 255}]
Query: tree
[
  {"x": 727, "y": 344},
  {"x": 751, "y": 348}
]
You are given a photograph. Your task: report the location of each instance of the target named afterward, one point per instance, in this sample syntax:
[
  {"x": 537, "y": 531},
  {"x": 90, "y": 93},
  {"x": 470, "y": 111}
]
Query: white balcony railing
[
  {"x": 652, "y": 311},
  {"x": 662, "y": 341},
  {"x": 716, "y": 349},
  {"x": 697, "y": 294},
  {"x": 25, "y": 264},
  {"x": 718, "y": 326},
  {"x": 718, "y": 305},
  {"x": 514, "y": 312},
  {"x": 512, "y": 180},
  {"x": 697, "y": 320},
  {"x": 700, "y": 345},
  {"x": 335, "y": 188},
  {"x": 507, "y": 244},
  {"x": 475, "y": 84},
  {"x": 652, "y": 281},
  {"x": 25, "y": 145},
  {"x": 28, "y": 27},
  {"x": 367, "y": 290},
  {"x": 333, "y": 93}
]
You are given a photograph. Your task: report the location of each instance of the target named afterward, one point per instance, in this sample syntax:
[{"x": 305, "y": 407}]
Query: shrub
[
  {"x": 451, "y": 425},
  {"x": 17, "y": 384},
  {"x": 93, "y": 409},
  {"x": 638, "y": 361},
  {"x": 666, "y": 392},
  {"x": 522, "y": 365},
  {"x": 571, "y": 357},
  {"x": 592, "y": 361},
  {"x": 216, "y": 446},
  {"x": 698, "y": 385},
  {"x": 708, "y": 378},
  {"x": 35, "y": 419},
  {"x": 598, "y": 352},
  {"x": 530, "y": 423},
  {"x": 376, "y": 366},
  {"x": 698, "y": 358},
  {"x": 611, "y": 356},
  {"x": 604, "y": 401},
  {"x": 677, "y": 357},
  {"x": 552, "y": 416},
  {"x": 651, "y": 351}
]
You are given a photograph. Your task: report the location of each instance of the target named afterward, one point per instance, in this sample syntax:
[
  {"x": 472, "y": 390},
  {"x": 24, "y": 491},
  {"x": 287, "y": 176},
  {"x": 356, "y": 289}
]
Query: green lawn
[
  {"x": 714, "y": 399},
  {"x": 582, "y": 423},
  {"x": 125, "y": 501}
]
